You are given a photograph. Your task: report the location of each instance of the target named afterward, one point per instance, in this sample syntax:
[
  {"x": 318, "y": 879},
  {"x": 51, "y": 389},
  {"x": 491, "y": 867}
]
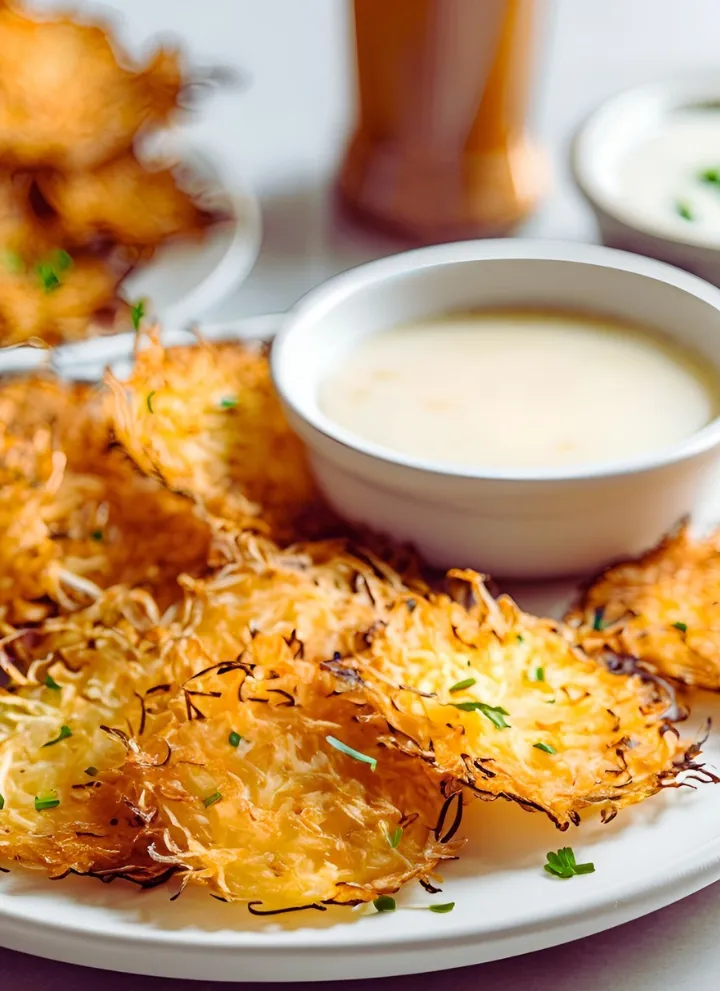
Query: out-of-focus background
[{"x": 284, "y": 128}]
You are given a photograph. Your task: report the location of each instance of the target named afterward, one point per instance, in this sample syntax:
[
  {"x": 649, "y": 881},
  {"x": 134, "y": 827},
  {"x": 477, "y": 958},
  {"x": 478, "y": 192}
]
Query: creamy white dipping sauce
[
  {"x": 513, "y": 390},
  {"x": 670, "y": 180}
]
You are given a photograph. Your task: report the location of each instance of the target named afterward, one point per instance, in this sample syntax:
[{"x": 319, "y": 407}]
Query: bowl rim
[
  {"x": 670, "y": 92},
  {"x": 327, "y": 295}
]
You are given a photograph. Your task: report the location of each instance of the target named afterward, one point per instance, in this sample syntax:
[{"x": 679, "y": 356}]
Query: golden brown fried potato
[
  {"x": 130, "y": 202},
  {"x": 663, "y": 608},
  {"x": 31, "y": 307},
  {"x": 263, "y": 805},
  {"x": 30, "y": 474},
  {"x": 504, "y": 703},
  {"x": 58, "y": 813},
  {"x": 103, "y": 523},
  {"x": 206, "y": 421},
  {"x": 23, "y": 236},
  {"x": 66, "y": 102}
]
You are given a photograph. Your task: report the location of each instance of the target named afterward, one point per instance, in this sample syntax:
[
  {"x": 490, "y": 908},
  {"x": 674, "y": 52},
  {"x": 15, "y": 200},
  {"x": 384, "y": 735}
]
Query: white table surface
[{"x": 283, "y": 132}]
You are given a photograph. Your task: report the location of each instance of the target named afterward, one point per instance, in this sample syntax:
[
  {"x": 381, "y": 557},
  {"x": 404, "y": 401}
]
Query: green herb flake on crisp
[
  {"x": 395, "y": 836},
  {"x": 495, "y": 713},
  {"x": 385, "y": 904},
  {"x": 211, "y": 799},
  {"x": 355, "y": 754},
  {"x": 64, "y": 734},
  {"x": 137, "y": 312},
  {"x": 462, "y": 685},
  {"x": 545, "y": 747}
]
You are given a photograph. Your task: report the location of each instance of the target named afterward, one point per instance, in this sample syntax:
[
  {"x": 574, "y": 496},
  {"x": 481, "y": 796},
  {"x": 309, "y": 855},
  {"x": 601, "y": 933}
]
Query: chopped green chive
[
  {"x": 234, "y": 739},
  {"x": 211, "y": 799},
  {"x": 355, "y": 754},
  {"x": 385, "y": 904},
  {"x": 50, "y": 682},
  {"x": 49, "y": 272},
  {"x": 681, "y": 626},
  {"x": 2, "y": 802},
  {"x": 49, "y": 279},
  {"x": 684, "y": 210},
  {"x": 96, "y": 535},
  {"x": 537, "y": 674},
  {"x": 520, "y": 638},
  {"x": 442, "y": 909},
  {"x": 13, "y": 262},
  {"x": 710, "y": 176},
  {"x": 461, "y": 685},
  {"x": 91, "y": 771},
  {"x": 137, "y": 312},
  {"x": 41, "y": 804},
  {"x": 599, "y": 619},
  {"x": 545, "y": 747},
  {"x": 62, "y": 260},
  {"x": 228, "y": 402},
  {"x": 64, "y": 733},
  {"x": 395, "y": 836},
  {"x": 495, "y": 713},
  {"x": 562, "y": 864},
  {"x": 149, "y": 401}
]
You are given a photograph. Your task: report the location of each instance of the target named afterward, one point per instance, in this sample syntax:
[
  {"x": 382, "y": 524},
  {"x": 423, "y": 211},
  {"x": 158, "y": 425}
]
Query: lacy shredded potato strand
[
  {"x": 504, "y": 702},
  {"x": 663, "y": 609},
  {"x": 207, "y": 422}
]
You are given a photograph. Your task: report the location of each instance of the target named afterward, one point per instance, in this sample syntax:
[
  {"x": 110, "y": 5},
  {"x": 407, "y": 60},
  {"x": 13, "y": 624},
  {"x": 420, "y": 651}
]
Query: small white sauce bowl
[
  {"x": 512, "y": 524},
  {"x": 602, "y": 143}
]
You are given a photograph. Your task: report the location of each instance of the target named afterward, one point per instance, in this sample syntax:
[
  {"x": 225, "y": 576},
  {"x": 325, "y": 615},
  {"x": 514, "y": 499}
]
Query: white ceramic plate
[{"x": 505, "y": 904}]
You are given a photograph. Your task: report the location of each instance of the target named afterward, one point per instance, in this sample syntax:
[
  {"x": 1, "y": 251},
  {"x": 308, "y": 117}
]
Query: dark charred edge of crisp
[
  {"x": 667, "y": 778},
  {"x": 579, "y": 603},
  {"x": 629, "y": 665}
]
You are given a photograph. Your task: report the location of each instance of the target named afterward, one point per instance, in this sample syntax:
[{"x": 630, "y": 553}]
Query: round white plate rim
[{"x": 373, "y": 952}]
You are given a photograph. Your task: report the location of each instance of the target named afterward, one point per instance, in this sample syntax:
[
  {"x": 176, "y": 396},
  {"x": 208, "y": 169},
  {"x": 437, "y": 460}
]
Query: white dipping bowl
[
  {"x": 604, "y": 141},
  {"x": 512, "y": 524}
]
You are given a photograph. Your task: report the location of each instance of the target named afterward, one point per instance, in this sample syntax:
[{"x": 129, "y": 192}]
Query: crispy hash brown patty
[
  {"x": 123, "y": 752},
  {"x": 85, "y": 519},
  {"x": 207, "y": 422},
  {"x": 663, "y": 609},
  {"x": 503, "y": 702}
]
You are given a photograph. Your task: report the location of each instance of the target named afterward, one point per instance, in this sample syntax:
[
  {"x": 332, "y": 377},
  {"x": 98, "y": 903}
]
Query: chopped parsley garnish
[
  {"x": 545, "y": 747},
  {"x": 96, "y": 535},
  {"x": 681, "y": 626},
  {"x": 91, "y": 771},
  {"x": 46, "y": 802},
  {"x": 495, "y": 713},
  {"x": 211, "y": 799},
  {"x": 385, "y": 904},
  {"x": 442, "y": 909},
  {"x": 395, "y": 836},
  {"x": 50, "y": 682},
  {"x": 684, "y": 210},
  {"x": 228, "y": 402},
  {"x": 355, "y": 754},
  {"x": 49, "y": 272},
  {"x": 137, "y": 312},
  {"x": 599, "y": 619},
  {"x": 2, "y": 802},
  {"x": 13, "y": 262},
  {"x": 562, "y": 864},
  {"x": 537, "y": 674},
  {"x": 710, "y": 176},
  {"x": 149, "y": 401},
  {"x": 234, "y": 739},
  {"x": 461, "y": 685},
  {"x": 64, "y": 733}
]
